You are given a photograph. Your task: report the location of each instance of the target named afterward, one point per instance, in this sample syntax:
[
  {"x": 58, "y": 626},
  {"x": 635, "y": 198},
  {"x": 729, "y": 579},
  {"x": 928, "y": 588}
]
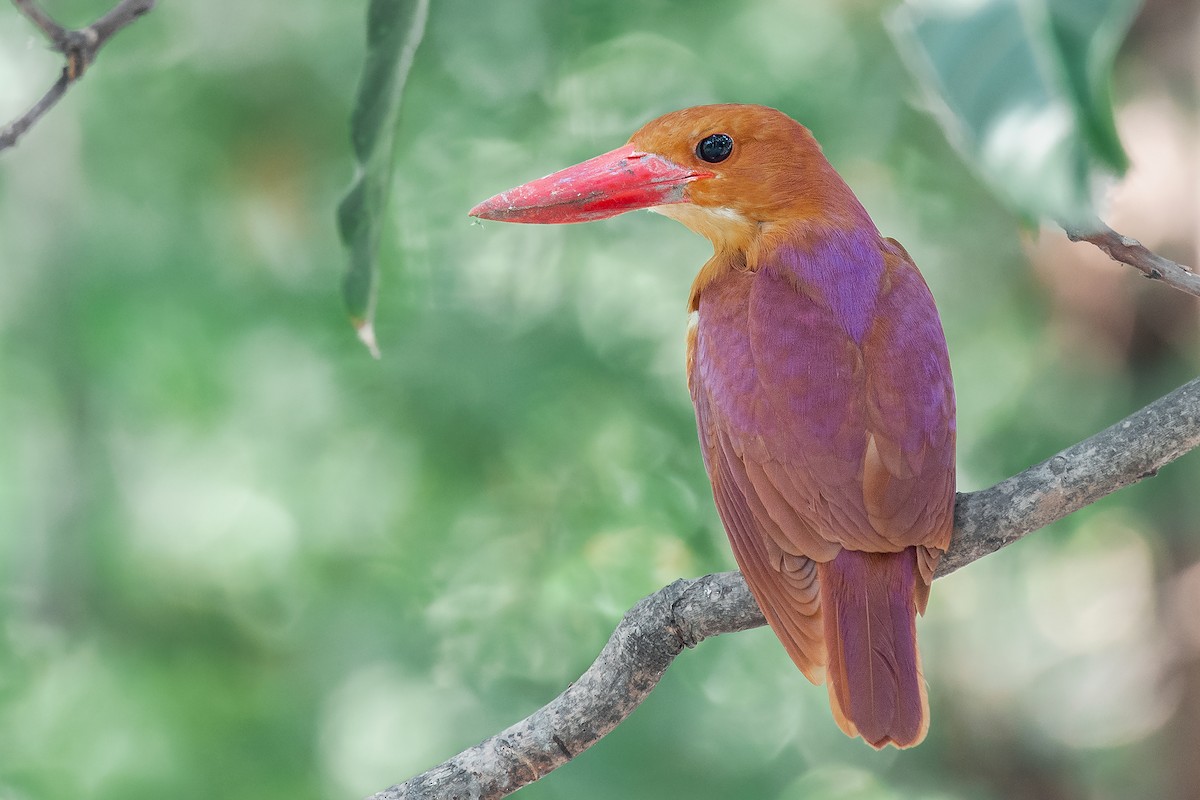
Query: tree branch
[
  {"x": 54, "y": 32},
  {"x": 685, "y": 613},
  {"x": 1132, "y": 252},
  {"x": 79, "y": 47}
]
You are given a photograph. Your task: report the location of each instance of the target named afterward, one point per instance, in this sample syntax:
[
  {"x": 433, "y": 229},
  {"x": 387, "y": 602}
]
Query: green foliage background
[{"x": 242, "y": 559}]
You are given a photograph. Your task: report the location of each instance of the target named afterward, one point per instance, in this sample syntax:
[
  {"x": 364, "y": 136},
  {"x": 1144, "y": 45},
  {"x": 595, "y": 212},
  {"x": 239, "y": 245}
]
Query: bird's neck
[
  {"x": 813, "y": 211},
  {"x": 817, "y": 250}
]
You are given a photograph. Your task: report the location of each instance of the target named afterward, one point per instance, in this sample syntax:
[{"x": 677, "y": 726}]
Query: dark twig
[
  {"x": 54, "y": 32},
  {"x": 1132, "y": 252},
  {"x": 121, "y": 15},
  {"x": 78, "y": 46},
  {"x": 685, "y": 613}
]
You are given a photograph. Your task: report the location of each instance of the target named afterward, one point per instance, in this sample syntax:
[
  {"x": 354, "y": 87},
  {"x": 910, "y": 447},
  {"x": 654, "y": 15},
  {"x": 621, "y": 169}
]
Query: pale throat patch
[{"x": 718, "y": 225}]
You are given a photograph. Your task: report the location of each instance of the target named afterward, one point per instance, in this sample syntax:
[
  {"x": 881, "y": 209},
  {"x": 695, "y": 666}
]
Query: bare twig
[
  {"x": 78, "y": 46},
  {"x": 685, "y": 613},
  {"x": 54, "y": 32},
  {"x": 1132, "y": 252},
  {"x": 122, "y": 14}
]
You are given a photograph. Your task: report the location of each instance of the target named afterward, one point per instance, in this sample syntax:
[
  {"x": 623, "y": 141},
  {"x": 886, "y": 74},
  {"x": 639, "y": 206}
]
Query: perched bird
[{"x": 818, "y": 369}]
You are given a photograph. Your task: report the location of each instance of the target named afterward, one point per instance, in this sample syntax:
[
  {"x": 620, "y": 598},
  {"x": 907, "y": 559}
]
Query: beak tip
[{"x": 481, "y": 211}]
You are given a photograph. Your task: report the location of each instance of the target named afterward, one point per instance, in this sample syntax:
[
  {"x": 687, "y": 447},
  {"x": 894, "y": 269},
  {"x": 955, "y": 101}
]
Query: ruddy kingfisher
[{"x": 819, "y": 373}]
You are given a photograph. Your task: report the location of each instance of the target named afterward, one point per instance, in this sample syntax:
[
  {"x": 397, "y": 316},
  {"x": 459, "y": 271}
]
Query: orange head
[{"x": 725, "y": 171}]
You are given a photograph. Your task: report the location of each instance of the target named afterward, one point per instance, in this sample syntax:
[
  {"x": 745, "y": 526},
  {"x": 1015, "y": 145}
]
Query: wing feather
[
  {"x": 869, "y": 443},
  {"x": 782, "y": 580},
  {"x": 785, "y": 585}
]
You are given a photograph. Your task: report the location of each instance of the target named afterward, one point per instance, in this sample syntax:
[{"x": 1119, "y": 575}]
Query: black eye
[{"x": 715, "y": 148}]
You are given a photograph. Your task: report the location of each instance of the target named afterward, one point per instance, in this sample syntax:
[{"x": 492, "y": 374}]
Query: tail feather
[{"x": 876, "y": 687}]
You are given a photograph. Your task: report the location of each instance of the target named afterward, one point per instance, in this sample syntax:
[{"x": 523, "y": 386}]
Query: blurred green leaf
[
  {"x": 1022, "y": 89},
  {"x": 394, "y": 29}
]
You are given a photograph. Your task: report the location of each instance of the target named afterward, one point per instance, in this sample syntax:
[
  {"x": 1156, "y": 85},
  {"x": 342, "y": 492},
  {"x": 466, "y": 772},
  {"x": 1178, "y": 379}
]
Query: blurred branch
[
  {"x": 685, "y": 613},
  {"x": 78, "y": 46},
  {"x": 1135, "y": 254},
  {"x": 637, "y": 654}
]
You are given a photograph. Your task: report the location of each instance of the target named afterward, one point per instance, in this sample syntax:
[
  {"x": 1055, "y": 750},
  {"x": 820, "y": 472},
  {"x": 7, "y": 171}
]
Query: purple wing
[{"x": 842, "y": 411}]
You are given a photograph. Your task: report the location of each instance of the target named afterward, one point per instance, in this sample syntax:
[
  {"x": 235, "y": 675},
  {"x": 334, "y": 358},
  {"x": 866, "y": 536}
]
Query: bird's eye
[{"x": 715, "y": 148}]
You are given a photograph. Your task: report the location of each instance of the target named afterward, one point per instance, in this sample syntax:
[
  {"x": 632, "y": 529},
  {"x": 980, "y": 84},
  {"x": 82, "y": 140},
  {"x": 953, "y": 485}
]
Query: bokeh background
[{"x": 241, "y": 559}]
